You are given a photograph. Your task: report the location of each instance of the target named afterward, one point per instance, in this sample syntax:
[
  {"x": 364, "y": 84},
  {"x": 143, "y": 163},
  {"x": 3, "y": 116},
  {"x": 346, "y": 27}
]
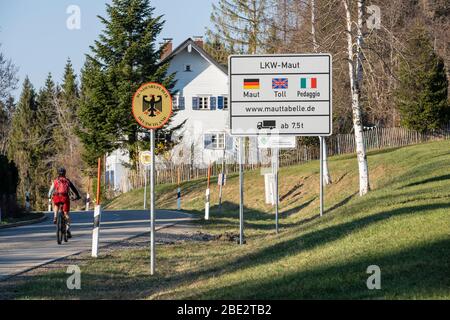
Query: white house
[{"x": 201, "y": 100}]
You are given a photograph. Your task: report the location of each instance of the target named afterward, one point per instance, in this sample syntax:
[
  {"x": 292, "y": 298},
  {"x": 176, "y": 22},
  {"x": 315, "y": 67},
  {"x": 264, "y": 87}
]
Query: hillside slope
[{"x": 402, "y": 226}]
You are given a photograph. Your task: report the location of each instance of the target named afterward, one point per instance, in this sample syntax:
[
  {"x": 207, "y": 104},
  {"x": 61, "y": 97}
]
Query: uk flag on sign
[{"x": 279, "y": 83}]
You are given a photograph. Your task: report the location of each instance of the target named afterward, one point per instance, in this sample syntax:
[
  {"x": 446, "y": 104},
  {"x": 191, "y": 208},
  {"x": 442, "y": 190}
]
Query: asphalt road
[{"x": 23, "y": 248}]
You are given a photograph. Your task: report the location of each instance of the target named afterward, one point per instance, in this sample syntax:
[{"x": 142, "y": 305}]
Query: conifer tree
[
  {"x": 6, "y": 113},
  {"x": 95, "y": 103},
  {"x": 423, "y": 86},
  {"x": 124, "y": 57},
  {"x": 218, "y": 49},
  {"x": 23, "y": 139},
  {"x": 66, "y": 106},
  {"x": 45, "y": 152}
]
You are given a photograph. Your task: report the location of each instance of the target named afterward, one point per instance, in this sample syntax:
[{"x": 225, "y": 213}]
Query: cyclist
[{"x": 59, "y": 193}]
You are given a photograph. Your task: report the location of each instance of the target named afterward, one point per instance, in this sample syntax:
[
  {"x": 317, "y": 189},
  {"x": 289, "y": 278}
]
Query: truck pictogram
[{"x": 266, "y": 124}]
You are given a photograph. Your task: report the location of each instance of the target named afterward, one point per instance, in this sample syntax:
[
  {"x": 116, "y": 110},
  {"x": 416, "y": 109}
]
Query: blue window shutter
[
  {"x": 195, "y": 103},
  {"x": 220, "y": 102},
  {"x": 212, "y": 103},
  {"x": 207, "y": 141},
  {"x": 181, "y": 103}
]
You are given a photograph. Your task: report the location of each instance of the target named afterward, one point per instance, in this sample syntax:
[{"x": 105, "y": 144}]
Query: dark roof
[{"x": 200, "y": 50}]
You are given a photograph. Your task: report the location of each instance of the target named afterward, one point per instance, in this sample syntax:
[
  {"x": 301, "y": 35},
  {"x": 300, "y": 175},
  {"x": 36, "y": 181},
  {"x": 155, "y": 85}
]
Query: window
[
  {"x": 214, "y": 141},
  {"x": 222, "y": 102},
  {"x": 225, "y": 102},
  {"x": 175, "y": 102},
  {"x": 109, "y": 177},
  {"x": 187, "y": 68},
  {"x": 203, "y": 103}
]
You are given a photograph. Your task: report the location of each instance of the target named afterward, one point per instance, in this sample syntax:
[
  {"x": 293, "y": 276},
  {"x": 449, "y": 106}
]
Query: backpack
[{"x": 62, "y": 186}]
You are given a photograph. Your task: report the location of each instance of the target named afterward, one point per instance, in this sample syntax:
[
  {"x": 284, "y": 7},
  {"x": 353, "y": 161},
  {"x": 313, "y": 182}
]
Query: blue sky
[{"x": 34, "y": 34}]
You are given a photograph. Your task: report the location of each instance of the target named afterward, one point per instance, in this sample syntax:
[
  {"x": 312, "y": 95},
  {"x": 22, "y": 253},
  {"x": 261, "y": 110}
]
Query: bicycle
[
  {"x": 61, "y": 223},
  {"x": 61, "y": 226}
]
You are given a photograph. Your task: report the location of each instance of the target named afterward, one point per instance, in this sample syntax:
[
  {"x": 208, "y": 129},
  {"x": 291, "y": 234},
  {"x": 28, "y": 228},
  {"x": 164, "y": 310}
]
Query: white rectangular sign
[
  {"x": 281, "y": 142},
  {"x": 280, "y": 94}
]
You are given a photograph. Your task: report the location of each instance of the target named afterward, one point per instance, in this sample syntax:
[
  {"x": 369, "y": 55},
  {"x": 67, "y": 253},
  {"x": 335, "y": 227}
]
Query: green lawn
[
  {"x": 22, "y": 218},
  {"x": 402, "y": 226}
]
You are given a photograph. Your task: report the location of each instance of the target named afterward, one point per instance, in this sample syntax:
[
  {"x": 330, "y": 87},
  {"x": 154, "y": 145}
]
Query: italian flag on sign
[{"x": 308, "y": 83}]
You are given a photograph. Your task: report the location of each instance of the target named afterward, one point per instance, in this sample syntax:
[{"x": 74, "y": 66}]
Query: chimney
[
  {"x": 198, "y": 41},
  {"x": 166, "y": 47}
]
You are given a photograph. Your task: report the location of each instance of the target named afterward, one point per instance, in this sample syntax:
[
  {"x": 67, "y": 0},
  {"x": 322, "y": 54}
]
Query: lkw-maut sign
[{"x": 280, "y": 94}]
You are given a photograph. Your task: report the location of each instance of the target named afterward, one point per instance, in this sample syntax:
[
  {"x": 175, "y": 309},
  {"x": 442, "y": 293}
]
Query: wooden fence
[{"x": 377, "y": 138}]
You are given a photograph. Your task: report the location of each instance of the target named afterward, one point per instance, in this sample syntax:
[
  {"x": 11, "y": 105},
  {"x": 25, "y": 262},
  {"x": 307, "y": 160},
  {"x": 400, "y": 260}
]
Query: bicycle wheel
[
  {"x": 59, "y": 227},
  {"x": 64, "y": 228}
]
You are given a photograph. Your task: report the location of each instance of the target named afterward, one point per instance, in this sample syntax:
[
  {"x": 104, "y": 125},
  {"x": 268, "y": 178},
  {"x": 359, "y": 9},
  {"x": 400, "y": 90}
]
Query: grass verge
[
  {"x": 23, "y": 218},
  {"x": 402, "y": 226}
]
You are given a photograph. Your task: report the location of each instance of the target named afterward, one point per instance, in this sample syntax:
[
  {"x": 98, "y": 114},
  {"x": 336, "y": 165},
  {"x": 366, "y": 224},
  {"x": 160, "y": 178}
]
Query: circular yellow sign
[
  {"x": 146, "y": 158},
  {"x": 152, "y": 105}
]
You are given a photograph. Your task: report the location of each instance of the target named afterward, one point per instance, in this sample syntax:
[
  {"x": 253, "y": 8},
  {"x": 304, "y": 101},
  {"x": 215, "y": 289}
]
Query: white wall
[{"x": 115, "y": 162}]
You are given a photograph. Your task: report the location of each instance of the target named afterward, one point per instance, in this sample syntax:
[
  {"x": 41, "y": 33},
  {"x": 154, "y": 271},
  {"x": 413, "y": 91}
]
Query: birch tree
[
  {"x": 326, "y": 175},
  {"x": 355, "y": 71}
]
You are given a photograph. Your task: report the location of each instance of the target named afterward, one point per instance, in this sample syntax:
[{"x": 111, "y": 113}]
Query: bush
[{"x": 9, "y": 176}]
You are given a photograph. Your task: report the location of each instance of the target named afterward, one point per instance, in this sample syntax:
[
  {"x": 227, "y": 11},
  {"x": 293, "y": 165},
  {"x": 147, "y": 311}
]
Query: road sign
[
  {"x": 145, "y": 157},
  {"x": 152, "y": 108},
  {"x": 152, "y": 105},
  {"x": 279, "y": 142},
  {"x": 280, "y": 94}
]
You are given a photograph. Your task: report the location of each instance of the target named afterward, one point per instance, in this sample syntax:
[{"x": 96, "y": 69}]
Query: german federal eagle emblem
[{"x": 152, "y": 107}]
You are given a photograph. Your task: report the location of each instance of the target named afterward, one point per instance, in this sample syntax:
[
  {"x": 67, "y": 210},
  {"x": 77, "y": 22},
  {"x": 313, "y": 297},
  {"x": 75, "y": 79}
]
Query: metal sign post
[
  {"x": 275, "y": 174},
  {"x": 321, "y": 175},
  {"x": 145, "y": 188},
  {"x": 145, "y": 158},
  {"x": 152, "y": 108},
  {"x": 152, "y": 203},
  {"x": 241, "y": 190},
  {"x": 222, "y": 180}
]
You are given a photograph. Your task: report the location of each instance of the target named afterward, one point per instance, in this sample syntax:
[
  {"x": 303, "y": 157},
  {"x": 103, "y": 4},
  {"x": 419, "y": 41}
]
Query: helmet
[{"x": 61, "y": 172}]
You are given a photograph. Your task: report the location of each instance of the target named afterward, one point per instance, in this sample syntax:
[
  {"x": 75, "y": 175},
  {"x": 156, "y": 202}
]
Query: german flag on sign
[{"x": 251, "y": 83}]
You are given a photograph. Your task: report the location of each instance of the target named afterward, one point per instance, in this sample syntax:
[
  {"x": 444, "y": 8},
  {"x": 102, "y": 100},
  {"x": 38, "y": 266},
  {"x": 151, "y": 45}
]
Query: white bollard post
[
  {"x": 95, "y": 232},
  {"x": 207, "y": 193},
  {"x": 207, "y": 205},
  {"x": 179, "y": 198},
  {"x": 27, "y": 201},
  {"x": 88, "y": 200}
]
